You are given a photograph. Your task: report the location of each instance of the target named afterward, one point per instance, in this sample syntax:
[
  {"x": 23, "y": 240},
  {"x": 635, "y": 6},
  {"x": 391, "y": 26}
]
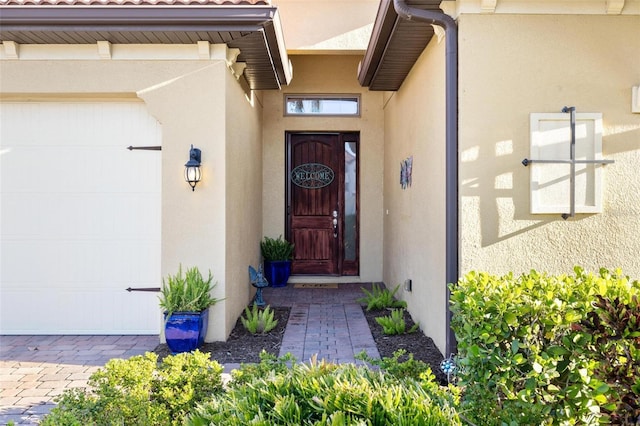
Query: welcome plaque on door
[{"x": 312, "y": 176}]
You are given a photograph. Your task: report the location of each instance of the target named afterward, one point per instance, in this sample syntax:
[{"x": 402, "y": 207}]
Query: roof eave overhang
[
  {"x": 394, "y": 47},
  {"x": 95, "y": 21}
]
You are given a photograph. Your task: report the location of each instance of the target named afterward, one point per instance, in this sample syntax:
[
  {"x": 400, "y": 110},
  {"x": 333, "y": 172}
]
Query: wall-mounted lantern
[{"x": 192, "y": 168}]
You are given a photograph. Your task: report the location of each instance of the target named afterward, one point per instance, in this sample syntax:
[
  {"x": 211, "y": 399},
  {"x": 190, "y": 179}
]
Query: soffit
[
  {"x": 251, "y": 26},
  {"x": 395, "y": 46}
]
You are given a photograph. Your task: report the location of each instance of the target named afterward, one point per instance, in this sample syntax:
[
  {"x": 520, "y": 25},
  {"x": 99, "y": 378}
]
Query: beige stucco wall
[
  {"x": 189, "y": 98},
  {"x": 328, "y": 75},
  {"x": 243, "y": 204},
  {"x": 511, "y": 66},
  {"x": 414, "y": 231}
]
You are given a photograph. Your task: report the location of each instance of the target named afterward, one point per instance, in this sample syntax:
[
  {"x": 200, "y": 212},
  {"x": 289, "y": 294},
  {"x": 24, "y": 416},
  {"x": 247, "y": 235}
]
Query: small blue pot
[
  {"x": 277, "y": 272},
  {"x": 185, "y": 331}
]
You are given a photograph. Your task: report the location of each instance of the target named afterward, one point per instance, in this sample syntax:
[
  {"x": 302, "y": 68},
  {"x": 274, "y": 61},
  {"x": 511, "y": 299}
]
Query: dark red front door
[{"x": 316, "y": 188}]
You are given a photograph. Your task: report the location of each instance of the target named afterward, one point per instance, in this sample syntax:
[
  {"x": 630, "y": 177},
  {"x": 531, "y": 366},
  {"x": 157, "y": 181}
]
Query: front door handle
[{"x": 335, "y": 224}]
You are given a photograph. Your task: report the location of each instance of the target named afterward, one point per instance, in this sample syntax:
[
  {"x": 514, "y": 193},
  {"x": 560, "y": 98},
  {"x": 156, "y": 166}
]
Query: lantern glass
[{"x": 192, "y": 175}]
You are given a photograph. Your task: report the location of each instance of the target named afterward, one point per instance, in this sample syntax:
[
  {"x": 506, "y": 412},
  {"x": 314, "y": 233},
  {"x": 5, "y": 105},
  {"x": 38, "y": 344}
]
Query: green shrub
[
  {"x": 522, "y": 355},
  {"x": 321, "y": 393},
  {"x": 258, "y": 320},
  {"x": 395, "y": 323},
  {"x": 138, "y": 391},
  {"x": 614, "y": 328},
  {"x": 273, "y": 249},
  {"x": 381, "y": 298},
  {"x": 409, "y": 368},
  {"x": 186, "y": 293}
]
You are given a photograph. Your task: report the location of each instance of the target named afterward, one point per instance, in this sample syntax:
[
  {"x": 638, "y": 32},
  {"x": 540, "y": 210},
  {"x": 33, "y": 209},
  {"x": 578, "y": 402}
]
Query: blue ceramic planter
[
  {"x": 277, "y": 272},
  {"x": 185, "y": 331}
]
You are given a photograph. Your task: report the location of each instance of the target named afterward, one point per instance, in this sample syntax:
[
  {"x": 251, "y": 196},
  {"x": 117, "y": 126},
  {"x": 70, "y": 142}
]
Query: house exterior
[{"x": 410, "y": 133}]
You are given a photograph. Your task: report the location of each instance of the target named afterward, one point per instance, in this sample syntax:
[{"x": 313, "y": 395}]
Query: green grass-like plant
[
  {"x": 321, "y": 393},
  {"x": 395, "y": 323},
  {"x": 258, "y": 320},
  {"x": 381, "y": 298},
  {"x": 188, "y": 292},
  {"x": 139, "y": 391},
  {"x": 409, "y": 368},
  {"x": 274, "y": 249}
]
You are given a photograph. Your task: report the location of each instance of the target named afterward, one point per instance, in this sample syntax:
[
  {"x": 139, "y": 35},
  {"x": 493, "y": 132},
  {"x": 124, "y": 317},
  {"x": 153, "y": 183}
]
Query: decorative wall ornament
[
  {"x": 406, "y": 167},
  {"x": 312, "y": 176}
]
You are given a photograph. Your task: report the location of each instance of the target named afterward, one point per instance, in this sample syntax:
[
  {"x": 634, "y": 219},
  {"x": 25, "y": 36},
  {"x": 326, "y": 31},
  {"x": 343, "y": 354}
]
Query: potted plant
[
  {"x": 277, "y": 254},
  {"x": 185, "y": 300}
]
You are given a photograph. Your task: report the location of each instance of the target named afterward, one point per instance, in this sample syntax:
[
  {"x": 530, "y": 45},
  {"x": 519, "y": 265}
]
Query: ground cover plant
[
  {"x": 258, "y": 320},
  {"x": 381, "y": 298},
  {"x": 319, "y": 393},
  {"x": 241, "y": 345},
  {"x": 541, "y": 349},
  {"x": 394, "y": 323},
  {"x": 187, "y": 389}
]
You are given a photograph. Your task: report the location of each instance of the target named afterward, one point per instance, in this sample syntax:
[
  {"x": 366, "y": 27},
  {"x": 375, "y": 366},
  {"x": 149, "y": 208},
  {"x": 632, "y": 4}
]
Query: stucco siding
[
  {"x": 243, "y": 196},
  {"x": 188, "y": 98},
  {"x": 414, "y": 231},
  {"x": 511, "y": 66},
  {"x": 328, "y": 75}
]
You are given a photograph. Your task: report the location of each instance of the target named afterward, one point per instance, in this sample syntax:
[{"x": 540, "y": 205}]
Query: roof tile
[{"x": 133, "y": 2}]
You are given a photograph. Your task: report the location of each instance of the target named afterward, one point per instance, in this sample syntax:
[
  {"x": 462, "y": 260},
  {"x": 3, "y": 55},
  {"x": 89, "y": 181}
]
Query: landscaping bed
[{"x": 242, "y": 346}]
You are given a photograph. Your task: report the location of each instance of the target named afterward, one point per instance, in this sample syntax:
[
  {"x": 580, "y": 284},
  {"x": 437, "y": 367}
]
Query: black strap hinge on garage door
[
  {"x": 155, "y": 289},
  {"x": 146, "y": 148}
]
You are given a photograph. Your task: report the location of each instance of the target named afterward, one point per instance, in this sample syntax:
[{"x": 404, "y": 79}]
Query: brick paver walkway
[
  {"x": 327, "y": 322},
  {"x": 35, "y": 369}
]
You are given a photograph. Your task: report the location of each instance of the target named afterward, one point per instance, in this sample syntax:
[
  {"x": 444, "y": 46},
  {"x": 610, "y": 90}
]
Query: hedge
[{"x": 542, "y": 349}]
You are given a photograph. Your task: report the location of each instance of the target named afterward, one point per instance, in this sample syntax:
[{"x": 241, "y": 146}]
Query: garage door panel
[
  {"x": 84, "y": 224},
  {"x": 76, "y": 124},
  {"x": 79, "y": 263},
  {"x": 88, "y": 309},
  {"x": 83, "y": 169},
  {"x": 72, "y": 215}
]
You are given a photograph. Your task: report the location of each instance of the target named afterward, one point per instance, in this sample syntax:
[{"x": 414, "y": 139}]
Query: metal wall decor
[
  {"x": 406, "y": 169},
  {"x": 312, "y": 176}
]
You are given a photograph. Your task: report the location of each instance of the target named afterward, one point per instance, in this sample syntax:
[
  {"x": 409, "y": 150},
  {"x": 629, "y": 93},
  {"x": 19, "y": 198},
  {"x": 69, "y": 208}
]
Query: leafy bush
[
  {"x": 188, "y": 293},
  {"x": 321, "y": 393},
  {"x": 410, "y": 368},
  {"x": 258, "y": 320},
  {"x": 523, "y": 357},
  {"x": 395, "y": 323},
  {"x": 614, "y": 327},
  {"x": 381, "y": 298},
  {"x": 138, "y": 391},
  {"x": 276, "y": 249}
]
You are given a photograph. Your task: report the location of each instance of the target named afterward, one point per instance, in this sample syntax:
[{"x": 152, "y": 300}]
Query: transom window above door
[{"x": 333, "y": 105}]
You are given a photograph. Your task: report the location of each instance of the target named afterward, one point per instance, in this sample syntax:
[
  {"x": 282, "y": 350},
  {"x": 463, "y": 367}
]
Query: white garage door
[{"x": 79, "y": 218}]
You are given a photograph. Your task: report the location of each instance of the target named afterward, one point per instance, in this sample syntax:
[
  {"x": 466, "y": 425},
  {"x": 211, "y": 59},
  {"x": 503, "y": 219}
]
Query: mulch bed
[
  {"x": 421, "y": 346},
  {"x": 244, "y": 347}
]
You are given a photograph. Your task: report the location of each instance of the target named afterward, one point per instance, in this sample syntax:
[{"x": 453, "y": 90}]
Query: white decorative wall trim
[
  {"x": 230, "y": 56},
  {"x": 614, "y": 7},
  {"x": 237, "y": 69},
  {"x": 439, "y": 32},
  {"x": 104, "y": 49},
  {"x": 488, "y": 6},
  {"x": 11, "y": 49},
  {"x": 204, "y": 50}
]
